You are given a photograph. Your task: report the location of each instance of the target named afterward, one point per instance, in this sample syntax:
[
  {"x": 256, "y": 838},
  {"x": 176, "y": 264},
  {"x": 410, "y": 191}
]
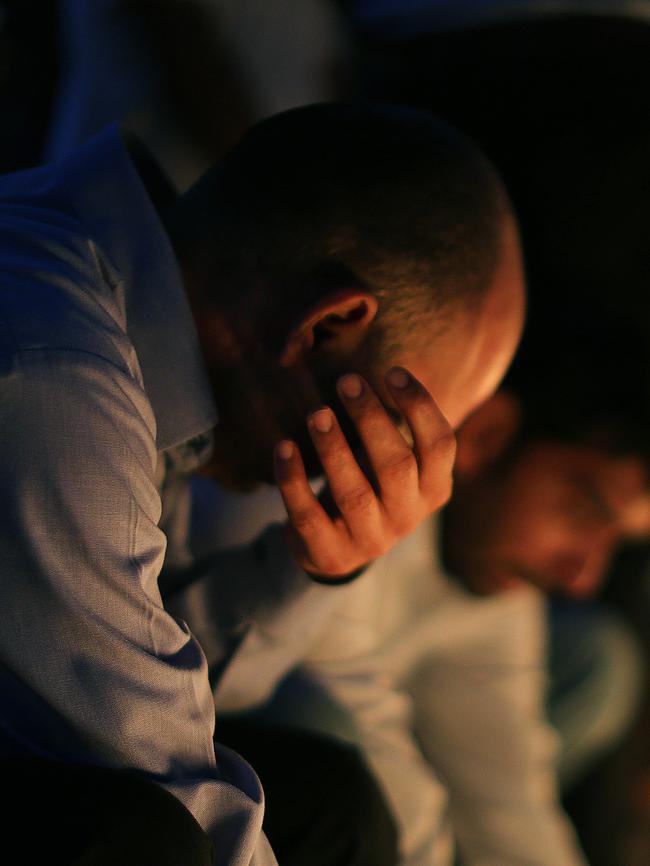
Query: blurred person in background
[{"x": 567, "y": 488}]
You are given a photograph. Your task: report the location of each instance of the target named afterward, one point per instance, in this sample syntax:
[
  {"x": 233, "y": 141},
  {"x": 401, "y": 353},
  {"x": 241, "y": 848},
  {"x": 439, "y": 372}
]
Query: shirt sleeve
[
  {"x": 93, "y": 666},
  {"x": 380, "y": 723},
  {"x": 254, "y": 611},
  {"x": 480, "y": 720},
  {"x": 448, "y": 711}
]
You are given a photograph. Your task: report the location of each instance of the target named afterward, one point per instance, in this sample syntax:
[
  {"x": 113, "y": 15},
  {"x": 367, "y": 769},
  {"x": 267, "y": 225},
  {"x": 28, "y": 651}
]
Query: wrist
[{"x": 337, "y": 580}]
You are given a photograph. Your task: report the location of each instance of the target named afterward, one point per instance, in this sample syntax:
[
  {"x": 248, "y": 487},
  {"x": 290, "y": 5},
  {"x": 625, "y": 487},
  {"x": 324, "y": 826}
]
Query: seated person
[
  {"x": 444, "y": 689},
  {"x": 137, "y": 329},
  {"x": 563, "y": 499}
]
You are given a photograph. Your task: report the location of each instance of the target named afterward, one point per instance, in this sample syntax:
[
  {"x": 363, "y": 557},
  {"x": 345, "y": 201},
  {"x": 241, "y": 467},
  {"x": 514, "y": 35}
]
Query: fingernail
[
  {"x": 351, "y": 385},
  {"x": 322, "y": 420},
  {"x": 398, "y": 378},
  {"x": 285, "y": 449}
]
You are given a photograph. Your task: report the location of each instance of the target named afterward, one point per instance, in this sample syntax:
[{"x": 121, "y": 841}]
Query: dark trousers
[
  {"x": 74, "y": 815},
  {"x": 322, "y": 809}
]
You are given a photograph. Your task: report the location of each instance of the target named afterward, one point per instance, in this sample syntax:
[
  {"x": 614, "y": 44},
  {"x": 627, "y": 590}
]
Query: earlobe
[{"x": 337, "y": 323}]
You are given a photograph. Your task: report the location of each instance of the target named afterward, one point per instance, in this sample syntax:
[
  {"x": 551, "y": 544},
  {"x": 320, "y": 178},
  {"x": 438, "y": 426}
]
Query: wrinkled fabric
[{"x": 100, "y": 378}]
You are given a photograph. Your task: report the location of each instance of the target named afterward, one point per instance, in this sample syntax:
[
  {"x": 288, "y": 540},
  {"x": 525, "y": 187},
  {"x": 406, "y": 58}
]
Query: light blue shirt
[{"x": 100, "y": 372}]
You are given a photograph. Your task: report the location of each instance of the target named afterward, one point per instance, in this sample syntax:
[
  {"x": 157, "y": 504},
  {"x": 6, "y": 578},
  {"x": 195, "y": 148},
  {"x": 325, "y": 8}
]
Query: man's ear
[
  {"x": 337, "y": 323},
  {"x": 486, "y": 434}
]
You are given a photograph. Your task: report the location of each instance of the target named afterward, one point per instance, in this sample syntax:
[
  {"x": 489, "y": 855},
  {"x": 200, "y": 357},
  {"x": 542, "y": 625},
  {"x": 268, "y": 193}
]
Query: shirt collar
[{"x": 111, "y": 201}]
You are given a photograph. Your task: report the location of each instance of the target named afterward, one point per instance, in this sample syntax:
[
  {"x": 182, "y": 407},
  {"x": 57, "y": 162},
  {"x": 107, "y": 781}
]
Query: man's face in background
[{"x": 552, "y": 516}]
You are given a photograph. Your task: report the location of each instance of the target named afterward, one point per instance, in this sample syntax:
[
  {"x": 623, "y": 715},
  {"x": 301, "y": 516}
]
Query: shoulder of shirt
[
  {"x": 86, "y": 265},
  {"x": 57, "y": 289}
]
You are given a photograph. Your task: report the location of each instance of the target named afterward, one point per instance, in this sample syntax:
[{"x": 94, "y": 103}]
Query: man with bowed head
[{"x": 333, "y": 244}]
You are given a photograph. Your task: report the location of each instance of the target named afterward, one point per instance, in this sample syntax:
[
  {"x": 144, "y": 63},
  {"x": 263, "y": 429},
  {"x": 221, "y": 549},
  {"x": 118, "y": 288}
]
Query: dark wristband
[{"x": 337, "y": 581}]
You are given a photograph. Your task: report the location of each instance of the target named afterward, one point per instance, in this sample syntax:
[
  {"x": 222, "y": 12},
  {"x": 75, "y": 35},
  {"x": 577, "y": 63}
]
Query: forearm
[{"x": 480, "y": 721}]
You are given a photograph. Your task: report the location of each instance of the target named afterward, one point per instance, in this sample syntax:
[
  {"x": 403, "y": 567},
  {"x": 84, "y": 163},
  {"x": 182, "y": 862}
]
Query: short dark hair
[{"x": 391, "y": 199}]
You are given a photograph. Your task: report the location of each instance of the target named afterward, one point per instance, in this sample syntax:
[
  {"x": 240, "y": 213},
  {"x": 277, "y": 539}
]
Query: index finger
[{"x": 307, "y": 516}]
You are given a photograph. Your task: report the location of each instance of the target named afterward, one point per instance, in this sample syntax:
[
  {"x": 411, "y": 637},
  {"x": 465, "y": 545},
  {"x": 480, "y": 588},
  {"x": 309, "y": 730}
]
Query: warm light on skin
[
  {"x": 555, "y": 519},
  {"x": 635, "y": 518},
  {"x": 262, "y": 399},
  {"x": 466, "y": 363}
]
